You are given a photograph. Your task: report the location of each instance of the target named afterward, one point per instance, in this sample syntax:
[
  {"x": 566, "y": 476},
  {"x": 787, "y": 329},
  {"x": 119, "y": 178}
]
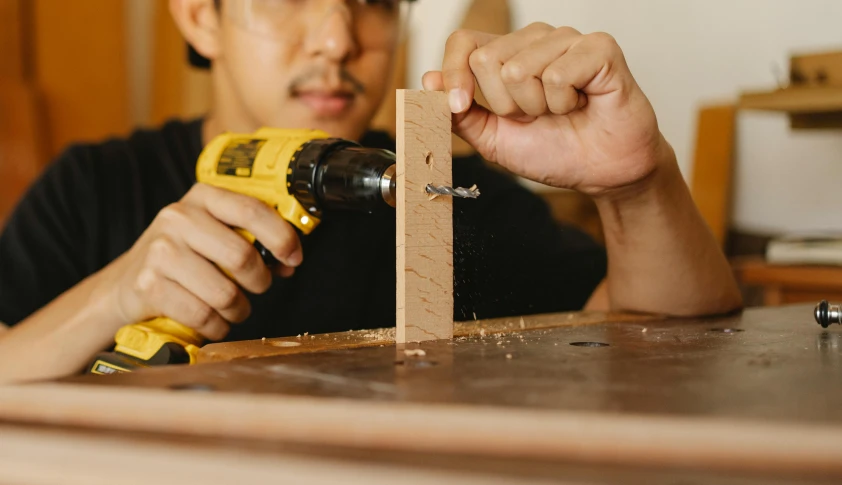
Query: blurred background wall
[
  {"x": 688, "y": 52},
  {"x": 98, "y": 68}
]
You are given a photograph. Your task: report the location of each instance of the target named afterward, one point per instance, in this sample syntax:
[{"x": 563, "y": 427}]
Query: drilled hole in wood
[
  {"x": 192, "y": 387},
  {"x": 286, "y": 344},
  {"x": 727, "y": 330},
  {"x": 428, "y": 157},
  {"x": 589, "y": 344}
]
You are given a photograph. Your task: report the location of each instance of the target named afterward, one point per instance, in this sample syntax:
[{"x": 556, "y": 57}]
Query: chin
[{"x": 347, "y": 126}]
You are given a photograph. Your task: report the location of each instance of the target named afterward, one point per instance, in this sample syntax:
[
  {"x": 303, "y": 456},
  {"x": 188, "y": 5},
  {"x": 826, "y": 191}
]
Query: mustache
[{"x": 319, "y": 73}]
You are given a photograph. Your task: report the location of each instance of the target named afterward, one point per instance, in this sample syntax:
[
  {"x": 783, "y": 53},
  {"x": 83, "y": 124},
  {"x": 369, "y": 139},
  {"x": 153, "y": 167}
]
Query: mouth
[{"x": 325, "y": 103}]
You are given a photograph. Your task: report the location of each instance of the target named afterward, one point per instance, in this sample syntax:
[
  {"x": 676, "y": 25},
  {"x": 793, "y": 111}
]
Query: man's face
[{"x": 321, "y": 64}]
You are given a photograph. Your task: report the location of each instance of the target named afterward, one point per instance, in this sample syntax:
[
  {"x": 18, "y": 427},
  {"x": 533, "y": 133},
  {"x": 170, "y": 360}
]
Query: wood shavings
[
  {"x": 414, "y": 352},
  {"x": 384, "y": 334},
  {"x": 482, "y": 332},
  {"x": 522, "y": 323},
  {"x": 509, "y": 356}
]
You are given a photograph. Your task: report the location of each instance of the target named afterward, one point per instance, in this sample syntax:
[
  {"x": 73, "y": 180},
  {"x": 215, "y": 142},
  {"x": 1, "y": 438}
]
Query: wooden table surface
[{"x": 752, "y": 398}]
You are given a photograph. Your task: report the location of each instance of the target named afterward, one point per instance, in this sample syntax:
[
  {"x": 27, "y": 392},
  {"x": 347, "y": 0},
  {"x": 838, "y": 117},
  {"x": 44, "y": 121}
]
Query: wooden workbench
[{"x": 573, "y": 398}]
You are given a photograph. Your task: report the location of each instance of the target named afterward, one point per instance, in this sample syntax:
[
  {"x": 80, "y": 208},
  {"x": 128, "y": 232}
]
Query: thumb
[{"x": 476, "y": 125}]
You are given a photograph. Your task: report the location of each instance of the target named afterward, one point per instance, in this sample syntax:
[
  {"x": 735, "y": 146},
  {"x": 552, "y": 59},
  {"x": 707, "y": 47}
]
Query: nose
[{"x": 331, "y": 33}]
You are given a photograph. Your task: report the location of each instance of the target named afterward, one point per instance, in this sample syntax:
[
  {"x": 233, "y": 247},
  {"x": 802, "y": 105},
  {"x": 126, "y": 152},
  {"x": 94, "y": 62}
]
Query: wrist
[
  {"x": 104, "y": 298},
  {"x": 656, "y": 194},
  {"x": 660, "y": 179}
]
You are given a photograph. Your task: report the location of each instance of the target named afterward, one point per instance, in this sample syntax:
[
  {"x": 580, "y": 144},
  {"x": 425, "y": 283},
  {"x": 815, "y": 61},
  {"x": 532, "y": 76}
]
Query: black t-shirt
[{"x": 93, "y": 202}]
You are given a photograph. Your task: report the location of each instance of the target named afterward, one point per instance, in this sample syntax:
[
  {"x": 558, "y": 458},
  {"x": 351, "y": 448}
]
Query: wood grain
[
  {"x": 712, "y": 167},
  {"x": 66, "y": 457},
  {"x": 22, "y": 131},
  {"x": 80, "y": 67},
  {"x": 584, "y": 437},
  {"x": 424, "y": 236},
  {"x": 752, "y": 270},
  {"x": 794, "y": 100},
  {"x": 11, "y": 40},
  {"x": 178, "y": 89},
  {"x": 250, "y": 349}
]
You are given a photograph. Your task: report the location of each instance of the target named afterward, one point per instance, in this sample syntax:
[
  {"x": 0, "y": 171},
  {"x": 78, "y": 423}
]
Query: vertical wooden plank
[
  {"x": 178, "y": 89},
  {"x": 80, "y": 67},
  {"x": 424, "y": 225},
  {"x": 21, "y": 152},
  {"x": 11, "y": 40},
  {"x": 712, "y": 172}
]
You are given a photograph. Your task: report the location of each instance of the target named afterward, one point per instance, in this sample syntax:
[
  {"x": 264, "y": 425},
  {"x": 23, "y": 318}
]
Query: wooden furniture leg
[
  {"x": 712, "y": 167},
  {"x": 424, "y": 225}
]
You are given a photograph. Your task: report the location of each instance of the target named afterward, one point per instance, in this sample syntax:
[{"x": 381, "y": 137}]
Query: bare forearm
[
  {"x": 59, "y": 339},
  {"x": 662, "y": 258}
]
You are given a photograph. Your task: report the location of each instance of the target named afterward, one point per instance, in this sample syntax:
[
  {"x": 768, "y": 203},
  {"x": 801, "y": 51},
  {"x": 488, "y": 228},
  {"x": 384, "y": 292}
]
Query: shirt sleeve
[
  {"x": 42, "y": 242},
  {"x": 511, "y": 257}
]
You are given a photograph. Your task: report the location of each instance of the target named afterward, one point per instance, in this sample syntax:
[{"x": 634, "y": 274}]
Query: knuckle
[
  {"x": 541, "y": 26},
  {"x": 513, "y": 73},
  {"x": 567, "y": 31},
  {"x": 604, "y": 41},
  {"x": 198, "y": 191},
  {"x": 251, "y": 208},
  {"x": 201, "y": 315},
  {"x": 225, "y": 296},
  {"x": 146, "y": 281},
  {"x": 482, "y": 57},
  {"x": 239, "y": 256},
  {"x": 459, "y": 37},
  {"x": 161, "y": 249},
  {"x": 285, "y": 246},
  {"x": 552, "y": 76},
  {"x": 173, "y": 215}
]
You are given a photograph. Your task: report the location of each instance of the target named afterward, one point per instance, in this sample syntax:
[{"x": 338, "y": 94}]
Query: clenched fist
[{"x": 564, "y": 108}]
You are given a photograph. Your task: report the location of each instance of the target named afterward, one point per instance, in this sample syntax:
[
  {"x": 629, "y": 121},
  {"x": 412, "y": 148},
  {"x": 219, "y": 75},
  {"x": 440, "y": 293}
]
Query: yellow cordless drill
[{"x": 299, "y": 173}]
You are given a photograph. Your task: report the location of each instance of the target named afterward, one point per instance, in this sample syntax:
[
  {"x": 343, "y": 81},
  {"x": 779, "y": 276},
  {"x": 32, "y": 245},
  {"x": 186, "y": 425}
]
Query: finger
[
  {"x": 198, "y": 276},
  {"x": 219, "y": 244},
  {"x": 569, "y": 79},
  {"x": 487, "y": 64},
  {"x": 456, "y": 71},
  {"x": 252, "y": 215},
  {"x": 433, "y": 81},
  {"x": 284, "y": 271},
  {"x": 478, "y": 127},
  {"x": 174, "y": 301},
  {"x": 522, "y": 72}
]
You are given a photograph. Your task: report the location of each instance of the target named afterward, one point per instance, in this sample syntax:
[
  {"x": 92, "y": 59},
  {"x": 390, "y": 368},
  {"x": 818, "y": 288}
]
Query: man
[{"x": 119, "y": 232}]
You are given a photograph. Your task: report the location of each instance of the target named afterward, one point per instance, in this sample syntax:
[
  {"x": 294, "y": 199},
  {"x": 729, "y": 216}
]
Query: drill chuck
[{"x": 333, "y": 174}]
